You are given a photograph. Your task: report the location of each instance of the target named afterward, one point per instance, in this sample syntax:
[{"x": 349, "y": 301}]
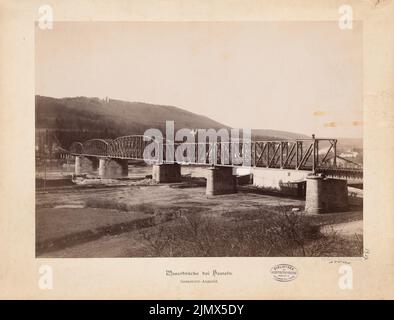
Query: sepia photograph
[
  {"x": 196, "y": 155},
  {"x": 199, "y": 139}
]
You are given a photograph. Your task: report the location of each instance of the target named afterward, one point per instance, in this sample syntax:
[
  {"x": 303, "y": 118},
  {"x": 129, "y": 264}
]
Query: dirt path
[{"x": 347, "y": 228}]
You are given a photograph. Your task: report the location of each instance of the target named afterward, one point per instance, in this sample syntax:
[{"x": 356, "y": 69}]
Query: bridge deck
[{"x": 315, "y": 155}]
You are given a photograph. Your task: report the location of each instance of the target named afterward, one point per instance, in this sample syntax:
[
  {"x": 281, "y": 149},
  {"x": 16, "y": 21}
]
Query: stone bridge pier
[
  {"x": 324, "y": 195},
  {"x": 86, "y": 165},
  {"x": 107, "y": 168},
  {"x": 113, "y": 168},
  {"x": 220, "y": 180},
  {"x": 166, "y": 172}
]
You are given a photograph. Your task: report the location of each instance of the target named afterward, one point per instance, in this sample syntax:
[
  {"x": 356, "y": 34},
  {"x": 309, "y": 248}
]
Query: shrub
[
  {"x": 121, "y": 206},
  {"x": 278, "y": 234}
]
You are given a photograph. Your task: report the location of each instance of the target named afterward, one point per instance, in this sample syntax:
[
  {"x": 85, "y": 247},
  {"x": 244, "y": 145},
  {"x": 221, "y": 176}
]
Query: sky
[{"x": 303, "y": 77}]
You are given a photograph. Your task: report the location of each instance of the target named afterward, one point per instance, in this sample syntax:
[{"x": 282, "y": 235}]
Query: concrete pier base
[
  {"x": 85, "y": 165},
  {"x": 220, "y": 180},
  {"x": 166, "y": 173},
  {"x": 78, "y": 165},
  {"x": 324, "y": 195},
  {"x": 113, "y": 168}
]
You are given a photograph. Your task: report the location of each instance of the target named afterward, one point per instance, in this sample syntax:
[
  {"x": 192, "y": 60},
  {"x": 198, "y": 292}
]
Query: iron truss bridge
[{"x": 315, "y": 155}]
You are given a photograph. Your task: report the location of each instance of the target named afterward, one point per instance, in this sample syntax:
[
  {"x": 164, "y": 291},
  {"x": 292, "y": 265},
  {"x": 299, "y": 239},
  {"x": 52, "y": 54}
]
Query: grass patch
[
  {"x": 165, "y": 212},
  {"x": 121, "y": 206},
  {"x": 317, "y": 219},
  {"x": 282, "y": 233}
]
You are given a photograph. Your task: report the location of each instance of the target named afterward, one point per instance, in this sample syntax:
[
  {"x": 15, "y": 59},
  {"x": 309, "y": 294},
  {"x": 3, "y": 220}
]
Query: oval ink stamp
[{"x": 284, "y": 272}]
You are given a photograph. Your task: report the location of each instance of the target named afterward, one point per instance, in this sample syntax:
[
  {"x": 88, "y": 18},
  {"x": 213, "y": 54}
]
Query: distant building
[
  {"x": 349, "y": 154},
  {"x": 47, "y": 145}
]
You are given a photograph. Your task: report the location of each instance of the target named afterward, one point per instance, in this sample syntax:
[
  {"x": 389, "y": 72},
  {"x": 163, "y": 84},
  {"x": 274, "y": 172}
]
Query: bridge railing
[
  {"x": 76, "y": 148},
  {"x": 207, "y": 153},
  {"x": 315, "y": 155},
  {"x": 306, "y": 154},
  {"x": 300, "y": 154},
  {"x": 289, "y": 154},
  {"x": 96, "y": 147}
]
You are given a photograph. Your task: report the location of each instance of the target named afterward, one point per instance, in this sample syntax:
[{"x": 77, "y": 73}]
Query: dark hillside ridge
[{"x": 82, "y": 118}]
